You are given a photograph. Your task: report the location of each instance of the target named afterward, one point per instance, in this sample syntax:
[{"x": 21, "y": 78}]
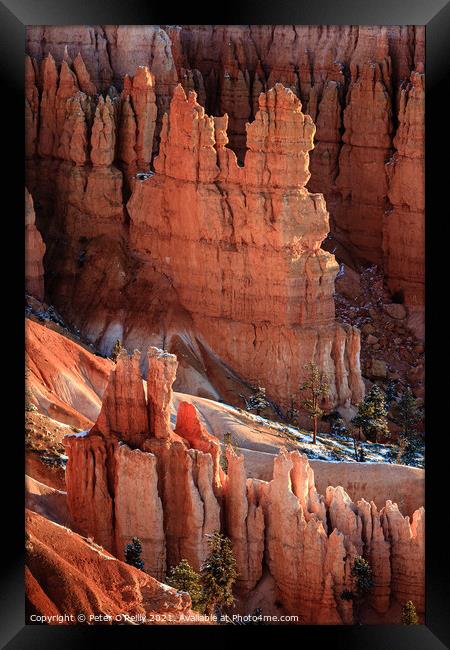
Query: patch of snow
[{"x": 80, "y": 434}]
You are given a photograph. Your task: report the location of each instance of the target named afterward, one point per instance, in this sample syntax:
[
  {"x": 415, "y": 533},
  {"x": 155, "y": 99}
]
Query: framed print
[{"x": 229, "y": 421}]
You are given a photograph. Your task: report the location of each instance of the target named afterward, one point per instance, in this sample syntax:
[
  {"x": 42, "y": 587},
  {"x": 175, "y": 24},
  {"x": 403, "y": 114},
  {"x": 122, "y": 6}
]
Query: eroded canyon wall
[
  {"x": 306, "y": 540},
  {"x": 350, "y": 79},
  {"x": 269, "y": 290},
  {"x": 35, "y": 249},
  {"x": 117, "y": 270}
]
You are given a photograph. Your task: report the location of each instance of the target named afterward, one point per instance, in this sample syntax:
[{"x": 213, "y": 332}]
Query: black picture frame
[{"x": 435, "y": 14}]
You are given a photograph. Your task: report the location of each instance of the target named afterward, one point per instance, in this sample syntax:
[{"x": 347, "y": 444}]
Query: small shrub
[
  {"x": 409, "y": 614},
  {"x": 133, "y": 554},
  {"x": 116, "y": 350}
]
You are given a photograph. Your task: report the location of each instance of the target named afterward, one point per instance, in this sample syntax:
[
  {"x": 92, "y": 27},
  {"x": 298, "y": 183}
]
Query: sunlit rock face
[
  {"x": 253, "y": 283},
  {"x": 171, "y": 492},
  {"x": 258, "y": 231},
  {"x": 332, "y": 69}
]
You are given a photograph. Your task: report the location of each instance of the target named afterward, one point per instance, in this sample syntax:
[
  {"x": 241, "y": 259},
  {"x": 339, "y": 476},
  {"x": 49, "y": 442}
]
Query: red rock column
[
  {"x": 138, "y": 509},
  {"x": 31, "y": 109},
  {"x": 244, "y": 522},
  {"x": 404, "y": 225},
  {"x": 407, "y": 554},
  {"x": 47, "y": 118},
  {"x": 295, "y": 549},
  {"x": 362, "y": 180},
  {"x": 377, "y": 550},
  {"x": 191, "y": 510},
  {"x": 344, "y": 516},
  {"x": 34, "y": 252},
  {"x": 139, "y": 91},
  {"x": 88, "y": 487},
  {"x": 191, "y": 429},
  {"x": 124, "y": 409},
  {"x": 162, "y": 369}
]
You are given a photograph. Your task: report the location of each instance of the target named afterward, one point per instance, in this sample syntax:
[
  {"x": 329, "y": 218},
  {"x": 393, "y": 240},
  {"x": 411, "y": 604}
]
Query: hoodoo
[
  {"x": 169, "y": 490},
  {"x": 258, "y": 230},
  {"x": 269, "y": 288}
]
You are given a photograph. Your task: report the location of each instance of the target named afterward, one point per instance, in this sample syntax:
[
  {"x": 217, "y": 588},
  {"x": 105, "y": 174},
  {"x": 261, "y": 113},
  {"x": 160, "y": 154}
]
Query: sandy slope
[
  {"x": 68, "y": 574},
  {"x": 64, "y": 380}
]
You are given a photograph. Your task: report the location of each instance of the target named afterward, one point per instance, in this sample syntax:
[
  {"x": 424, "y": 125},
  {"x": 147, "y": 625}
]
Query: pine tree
[
  {"x": 218, "y": 574},
  {"x": 362, "y": 575},
  {"x": 391, "y": 391},
  {"x": 371, "y": 415},
  {"x": 316, "y": 388},
  {"x": 258, "y": 401},
  {"x": 357, "y": 446},
  {"x": 362, "y": 572},
  {"x": 133, "y": 553},
  {"x": 228, "y": 442},
  {"x": 407, "y": 415},
  {"x": 116, "y": 350},
  {"x": 409, "y": 614},
  {"x": 183, "y": 578}
]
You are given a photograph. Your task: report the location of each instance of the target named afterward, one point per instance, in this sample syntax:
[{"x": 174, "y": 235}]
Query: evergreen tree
[
  {"x": 228, "y": 442},
  {"x": 407, "y": 415},
  {"x": 116, "y": 350},
  {"x": 357, "y": 446},
  {"x": 183, "y": 578},
  {"x": 292, "y": 412},
  {"x": 362, "y": 575},
  {"x": 362, "y": 572},
  {"x": 133, "y": 553},
  {"x": 218, "y": 574},
  {"x": 316, "y": 389},
  {"x": 258, "y": 401},
  {"x": 391, "y": 391},
  {"x": 371, "y": 415},
  {"x": 409, "y": 614}
]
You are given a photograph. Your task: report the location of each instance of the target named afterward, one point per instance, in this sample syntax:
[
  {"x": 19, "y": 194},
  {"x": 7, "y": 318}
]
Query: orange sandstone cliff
[
  {"x": 269, "y": 287},
  {"x": 350, "y": 79},
  {"x": 268, "y": 293}
]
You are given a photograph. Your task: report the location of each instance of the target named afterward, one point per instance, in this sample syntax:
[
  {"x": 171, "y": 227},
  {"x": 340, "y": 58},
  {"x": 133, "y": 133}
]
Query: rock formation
[
  {"x": 260, "y": 216},
  {"x": 246, "y": 224},
  {"x": 404, "y": 224},
  {"x": 321, "y": 65},
  {"x": 328, "y": 67},
  {"x": 244, "y": 521},
  {"x": 208, "y": 236},
  {"x": 362, "y": 180},
  {"x": 101, "y": 469},
  {"x": 68, "y": 575},
  {"x": 169, "y": 492},
  {"x": 35, "y": 249}
]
